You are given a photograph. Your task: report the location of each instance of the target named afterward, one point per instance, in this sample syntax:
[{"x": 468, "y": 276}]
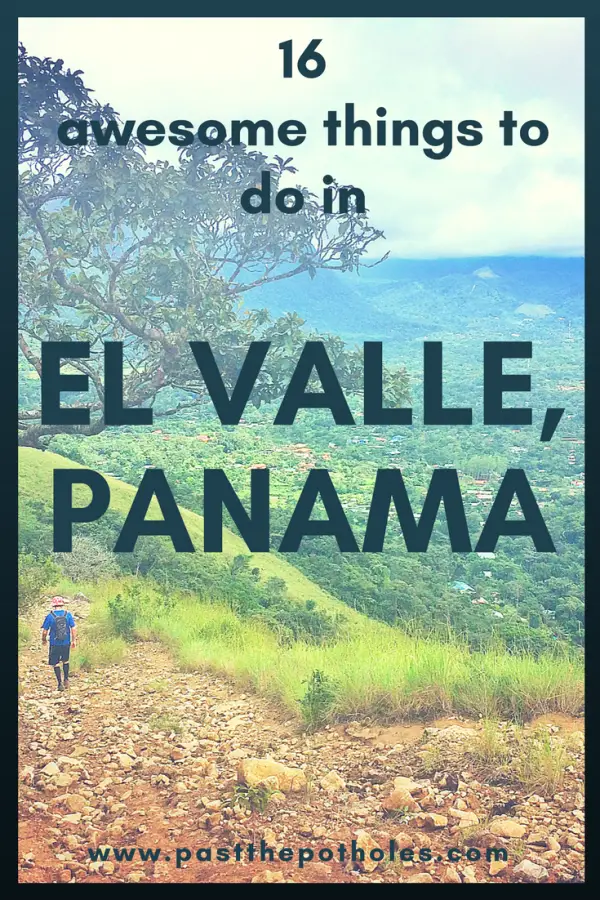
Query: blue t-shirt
[{"x": 50, "y": 625}]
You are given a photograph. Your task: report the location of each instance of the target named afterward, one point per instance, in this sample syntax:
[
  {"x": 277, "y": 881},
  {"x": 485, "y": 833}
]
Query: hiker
[{"x": 60, "y": 624}]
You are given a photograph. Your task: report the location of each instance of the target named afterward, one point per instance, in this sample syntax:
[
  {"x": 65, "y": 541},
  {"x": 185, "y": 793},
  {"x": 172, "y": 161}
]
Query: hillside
[
  {"x": 142, "y": 755},
  {"x": 35, "y": 482},
  {"x": 402, "y": 300},
  {"x": 186, "y": 725},
  {"x": 372, "y": 669}
]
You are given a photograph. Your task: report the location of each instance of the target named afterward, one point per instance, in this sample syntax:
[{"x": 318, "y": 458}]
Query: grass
[
  {"x": 92, "y": 655},
  {"x": 374, "y": 670},
  {"x": 380, "y": 672},
  {"x": 542, "y": 763},
  {"x": 432, "y": 760},
  {"x": 158, "y": 686},
  {"x": 165, "y": 722},
  {"x": 36, "y": 470},
  {"x": 24, "y": 634},
  {"x": 490, "y": 748},
  {"x": 535, "y": 759}
]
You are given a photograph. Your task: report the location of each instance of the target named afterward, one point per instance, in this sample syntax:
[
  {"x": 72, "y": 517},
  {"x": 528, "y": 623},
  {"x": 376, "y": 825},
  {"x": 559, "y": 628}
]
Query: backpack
[{"x": 61, "y": 627}]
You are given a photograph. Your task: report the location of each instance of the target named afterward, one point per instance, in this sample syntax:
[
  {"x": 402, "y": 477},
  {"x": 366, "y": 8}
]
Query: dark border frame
[{"x": 317, "y": 9}]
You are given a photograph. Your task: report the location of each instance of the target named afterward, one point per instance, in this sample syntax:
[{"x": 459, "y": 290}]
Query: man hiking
[{"x": 60, "y": 625}]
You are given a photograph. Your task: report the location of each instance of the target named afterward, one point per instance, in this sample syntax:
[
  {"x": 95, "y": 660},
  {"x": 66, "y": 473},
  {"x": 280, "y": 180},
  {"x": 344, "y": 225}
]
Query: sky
[{"x": 487, "y": 200}]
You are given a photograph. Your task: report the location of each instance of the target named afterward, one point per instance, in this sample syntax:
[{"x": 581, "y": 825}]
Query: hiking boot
[
  {"x": 66, "y": 683},
  {"x": 61, "y": 687}
]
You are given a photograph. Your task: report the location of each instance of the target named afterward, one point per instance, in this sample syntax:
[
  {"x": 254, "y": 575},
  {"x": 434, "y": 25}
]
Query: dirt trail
[{"x": 146, "y": 756}]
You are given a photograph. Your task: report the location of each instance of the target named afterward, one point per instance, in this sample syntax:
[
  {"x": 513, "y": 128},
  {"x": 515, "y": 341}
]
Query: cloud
[{"x": 482, "y": 200}]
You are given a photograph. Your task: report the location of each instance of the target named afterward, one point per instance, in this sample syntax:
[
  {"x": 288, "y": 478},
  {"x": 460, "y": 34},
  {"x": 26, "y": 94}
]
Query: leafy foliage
[
  {"x": 254, "y": 799},
  {"x": 124, "y": 611},
  {"x": 318, "y": 699},
  {"x": 34, "y": 576},
  {"x": 116, "y": 248}
]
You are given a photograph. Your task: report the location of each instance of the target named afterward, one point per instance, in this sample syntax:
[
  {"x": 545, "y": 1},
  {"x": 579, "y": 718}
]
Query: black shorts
[{"x": 58, "y": 654}]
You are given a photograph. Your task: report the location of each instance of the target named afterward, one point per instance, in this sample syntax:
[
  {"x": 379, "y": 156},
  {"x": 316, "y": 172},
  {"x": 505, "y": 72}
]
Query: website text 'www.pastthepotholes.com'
[{"x": 302, "y": 856}]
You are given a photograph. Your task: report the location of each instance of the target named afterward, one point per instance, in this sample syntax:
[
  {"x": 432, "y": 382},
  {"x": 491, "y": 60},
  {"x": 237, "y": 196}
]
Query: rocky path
[{"x": 142, "y": 755}]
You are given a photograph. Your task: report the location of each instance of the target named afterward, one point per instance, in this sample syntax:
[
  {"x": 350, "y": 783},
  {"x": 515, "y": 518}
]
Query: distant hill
[{"x": 402, "y": 300}]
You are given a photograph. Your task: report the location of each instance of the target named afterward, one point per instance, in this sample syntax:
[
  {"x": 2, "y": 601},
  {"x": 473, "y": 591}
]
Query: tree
[
  {"x": 88, "y": 561},
  {"x": 34, "y": 576},
  {"x": 116, "y": 248}
]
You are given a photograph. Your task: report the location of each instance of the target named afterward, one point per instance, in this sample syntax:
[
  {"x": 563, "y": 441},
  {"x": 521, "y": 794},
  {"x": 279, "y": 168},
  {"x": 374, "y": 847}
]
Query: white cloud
[{"x": 480, "y": 200}]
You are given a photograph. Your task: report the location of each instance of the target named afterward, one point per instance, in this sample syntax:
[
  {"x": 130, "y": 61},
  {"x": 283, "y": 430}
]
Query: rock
[
  {"x": 125, "y": 761},
  {"x": 367, "y": 844},
  {"x": 451, "y": 876},
  {"x": 401, "y": 783},
  {"x": 64, "y": 877},
  {"x": 431, "y": 820},
  {"x": 466, "y": 818},
  {"x": 269, "y": 837},
  {"x": 421, "y": 878},
  {"x": 403, "y": 840},
  {"x": 530, "y": 872},
  {"x": 497, "y": 866},
  {"x": 507, "y": 828},
  {"x": 63, "y": 780},
  {"x": 72, "y": 818},
  {"x": 360, "y": 731},
  {"x": 75, "y": 802},
  {"x": 332, "y": 783},
  {"x": 284, "y": 778},
  {"x": 51, "y": 769},
  {"x": 268, "y": 877},
  {"x": 470, "y": 875},
  {"x": 400, "y": 800},
  {"x": 27, "y": 773}
]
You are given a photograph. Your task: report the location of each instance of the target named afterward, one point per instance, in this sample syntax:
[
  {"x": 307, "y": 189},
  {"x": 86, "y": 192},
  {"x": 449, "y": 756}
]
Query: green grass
[
  {"x": 165, "y": 722},
  {"x": 490, "y": 749},
  {"x": 92, "y": 655},
  {"x": 36, "y": 481},
  {"x": 542, "y": 763},
  {"x": 534, "y": 758},
  {"x": 380, "y": 673}
]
